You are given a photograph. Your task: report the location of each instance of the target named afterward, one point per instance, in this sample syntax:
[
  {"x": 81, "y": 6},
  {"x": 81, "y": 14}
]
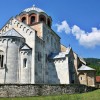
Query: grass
[{"x": 95, "y": 95}]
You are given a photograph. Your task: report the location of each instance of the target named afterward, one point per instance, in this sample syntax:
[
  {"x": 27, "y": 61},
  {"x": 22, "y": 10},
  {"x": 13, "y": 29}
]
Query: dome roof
[{"x": 33, "y": 8}]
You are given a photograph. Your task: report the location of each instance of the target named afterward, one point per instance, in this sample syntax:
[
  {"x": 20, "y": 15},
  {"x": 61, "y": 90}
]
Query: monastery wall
[{"x": 26, "y": 90}]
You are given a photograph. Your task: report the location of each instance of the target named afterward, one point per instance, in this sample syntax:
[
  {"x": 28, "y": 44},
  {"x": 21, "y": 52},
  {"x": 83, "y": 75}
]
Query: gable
[
  {"x": 25, "y": 31},
  {"x": 12, "y": 32}
]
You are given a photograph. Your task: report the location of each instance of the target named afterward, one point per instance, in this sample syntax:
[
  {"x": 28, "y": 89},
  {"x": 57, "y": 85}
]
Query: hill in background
[{"x": 94, "y": 63}]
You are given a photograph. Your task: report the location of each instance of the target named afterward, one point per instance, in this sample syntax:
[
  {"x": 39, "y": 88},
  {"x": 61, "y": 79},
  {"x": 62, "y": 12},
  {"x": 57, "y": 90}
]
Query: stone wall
[{"x": 38, "y": 90}]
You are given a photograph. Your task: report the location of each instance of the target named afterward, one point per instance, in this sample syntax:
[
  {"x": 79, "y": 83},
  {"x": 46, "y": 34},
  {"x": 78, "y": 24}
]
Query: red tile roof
[{"x": 97, "y": 78}]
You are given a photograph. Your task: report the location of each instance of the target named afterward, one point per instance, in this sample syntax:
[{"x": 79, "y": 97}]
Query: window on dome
[
  {"x": 32, "y": 19},
  {"x": 1, "y": 59},
  {"x": 24, "y": 20},
  {"x": 49, "y": 24},
  {"x": 42, "y": 18}
]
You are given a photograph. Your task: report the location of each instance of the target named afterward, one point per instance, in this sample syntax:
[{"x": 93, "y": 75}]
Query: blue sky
[{"x": 77, "y": 22}]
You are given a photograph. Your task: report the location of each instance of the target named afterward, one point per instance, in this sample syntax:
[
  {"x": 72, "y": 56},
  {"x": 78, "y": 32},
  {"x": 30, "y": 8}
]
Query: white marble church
[{"x": 31, "y": 53}]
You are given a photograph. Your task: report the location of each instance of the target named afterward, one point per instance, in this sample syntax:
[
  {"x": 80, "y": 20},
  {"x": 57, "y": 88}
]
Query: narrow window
[
  {"x": 46, "y": 58},
  {"x": 49, "y": 24},
  {"x": 32, "y": 19},
  {"x": 24, "y": 62},
  {"x": 39, "y": 56},
  {"x": 42, "y": 18},
  {"x": 24, "y": 20},
  {"x": 1, "y": 59},
  {"x": 81, "y": 78}
]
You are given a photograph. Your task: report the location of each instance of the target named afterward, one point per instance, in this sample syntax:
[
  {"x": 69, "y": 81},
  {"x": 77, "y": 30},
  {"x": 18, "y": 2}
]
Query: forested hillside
[{"x": 94, "y": 63}]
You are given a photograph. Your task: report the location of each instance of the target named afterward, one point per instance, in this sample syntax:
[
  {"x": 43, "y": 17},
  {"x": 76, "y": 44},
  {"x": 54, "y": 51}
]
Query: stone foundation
[{"x": 13, "y": 90}]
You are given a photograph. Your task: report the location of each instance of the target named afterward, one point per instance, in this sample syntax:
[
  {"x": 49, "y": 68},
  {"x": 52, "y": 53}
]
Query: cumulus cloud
[
  {"x": 63, "y": 27},
  {"x": 85, "y": 39}
]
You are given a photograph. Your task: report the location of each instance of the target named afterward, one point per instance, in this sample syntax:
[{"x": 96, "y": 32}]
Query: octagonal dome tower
[{"x": 33, "y": 15}]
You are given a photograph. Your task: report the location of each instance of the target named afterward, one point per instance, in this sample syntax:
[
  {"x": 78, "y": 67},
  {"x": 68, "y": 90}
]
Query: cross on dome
[
  {"x": 33, "y": 5},
  {"x": 33, "y": 8}
]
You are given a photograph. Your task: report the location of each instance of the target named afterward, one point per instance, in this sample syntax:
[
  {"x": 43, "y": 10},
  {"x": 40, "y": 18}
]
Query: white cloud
[
  {"x": 63, "y": 27},
  {"x": 85, "y": 39}
]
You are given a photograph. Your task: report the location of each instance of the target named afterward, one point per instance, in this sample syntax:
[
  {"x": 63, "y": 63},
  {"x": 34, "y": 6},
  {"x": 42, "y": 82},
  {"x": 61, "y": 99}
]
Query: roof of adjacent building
[
  {"x": 85, "y": 68},
  {"x": 25, "y": 47},
  {"x": 97, "y": 78},
  {"x": 33, "y": 8},
  {"x": 60, "y": 54},
  {"x": 12, "y": 32}
]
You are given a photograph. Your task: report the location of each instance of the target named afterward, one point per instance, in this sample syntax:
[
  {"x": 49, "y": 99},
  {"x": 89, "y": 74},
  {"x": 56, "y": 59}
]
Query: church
[{"x": 31, "y": 53}]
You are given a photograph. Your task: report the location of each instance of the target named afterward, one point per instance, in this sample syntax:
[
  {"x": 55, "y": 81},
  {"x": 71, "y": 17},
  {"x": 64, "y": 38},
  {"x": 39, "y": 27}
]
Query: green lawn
[{"x": 95, "y": 95}]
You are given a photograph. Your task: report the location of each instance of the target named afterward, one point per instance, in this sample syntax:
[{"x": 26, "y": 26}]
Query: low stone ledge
[{"x": 24, "y": 90}]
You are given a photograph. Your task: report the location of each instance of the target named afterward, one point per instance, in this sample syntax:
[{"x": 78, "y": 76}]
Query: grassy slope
[
  {"x": 95, "y": 95},
  {"x": 94, "y": 63}
]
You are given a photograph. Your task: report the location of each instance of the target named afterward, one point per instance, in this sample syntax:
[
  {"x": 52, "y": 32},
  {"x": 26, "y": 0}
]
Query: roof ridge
[{"x": 84, "y": 67}]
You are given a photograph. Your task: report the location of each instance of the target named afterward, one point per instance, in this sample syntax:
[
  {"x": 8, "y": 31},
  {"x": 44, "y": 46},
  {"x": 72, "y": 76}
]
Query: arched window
[
  {"x": 25, "y": 62},
  {"x": 24, "y": 20},
  {"x": 49, "y": 24},
  {"x": 32, "y": 19},
  {"x": 1, "y": 59},
  {"x": 42, "y": 18}
]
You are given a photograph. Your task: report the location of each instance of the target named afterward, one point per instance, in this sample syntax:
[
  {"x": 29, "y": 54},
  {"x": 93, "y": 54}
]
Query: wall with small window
[
  {"x": 87, "y": 78},
  {"x": 9, "y": 59},
  {"x": 25, "y": 70},
  {"x": 82, "y": 78}
]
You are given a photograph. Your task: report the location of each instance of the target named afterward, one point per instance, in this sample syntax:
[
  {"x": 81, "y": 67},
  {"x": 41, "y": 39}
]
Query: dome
[
  {"x": 33, "y": 8},
  {"x": 33, "y": 15}
]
